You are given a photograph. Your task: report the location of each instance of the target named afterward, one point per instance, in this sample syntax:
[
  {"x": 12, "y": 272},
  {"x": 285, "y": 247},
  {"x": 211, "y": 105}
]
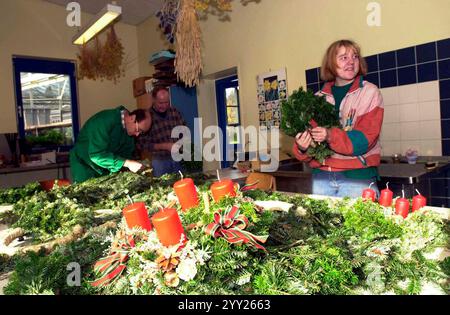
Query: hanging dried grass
[
  {"x": 87, "y": 61},
  {"x": 188, "y": 60},
  {"x": 102, "y": 61},
  {"x": 111, "y": 58},
  {"x": 203, "y": 5}
]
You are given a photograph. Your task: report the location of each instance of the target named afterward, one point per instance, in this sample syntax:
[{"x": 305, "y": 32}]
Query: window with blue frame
[
  {"x": 47, "y": 105},
  {"x": 228, "y": 109}
]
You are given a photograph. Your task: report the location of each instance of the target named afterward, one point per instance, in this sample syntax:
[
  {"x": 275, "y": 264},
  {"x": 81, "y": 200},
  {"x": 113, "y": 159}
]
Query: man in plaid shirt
[{"x": 158, "y": 140}]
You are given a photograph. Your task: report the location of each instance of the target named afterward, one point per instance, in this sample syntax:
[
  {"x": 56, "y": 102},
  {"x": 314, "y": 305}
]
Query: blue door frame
[
  {"x": 22, "y": 64},
  {"x": 221, "y": 86}
]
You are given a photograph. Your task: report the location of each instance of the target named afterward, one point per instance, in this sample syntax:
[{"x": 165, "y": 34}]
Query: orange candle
[
  {"x": 223, "y": 188},
  {"x": 186, "y": 193},
  {"x": 168, "y": 226},
  {"x": 136, "y": 216}
]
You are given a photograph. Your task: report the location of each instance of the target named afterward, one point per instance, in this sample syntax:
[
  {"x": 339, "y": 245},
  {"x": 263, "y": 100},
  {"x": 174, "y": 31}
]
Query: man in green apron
[{"x": 105, "y": 144}]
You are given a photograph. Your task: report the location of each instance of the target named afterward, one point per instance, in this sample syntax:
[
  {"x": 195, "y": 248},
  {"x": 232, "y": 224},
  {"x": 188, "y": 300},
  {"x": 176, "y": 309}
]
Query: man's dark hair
[
  {"x": 156, "y": 90},
  {"x": 140, "y": 114}
]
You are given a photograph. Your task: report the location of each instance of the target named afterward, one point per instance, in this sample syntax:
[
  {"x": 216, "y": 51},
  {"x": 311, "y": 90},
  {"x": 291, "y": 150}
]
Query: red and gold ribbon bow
[
  {"x": 231, "y": 226},
  {"x": 112, "y": 266},
  {"x": 251, "y": 186}
]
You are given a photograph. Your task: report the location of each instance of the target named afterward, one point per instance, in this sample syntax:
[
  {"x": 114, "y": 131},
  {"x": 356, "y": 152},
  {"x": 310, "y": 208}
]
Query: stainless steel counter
[{"x": 409, "y": 173}]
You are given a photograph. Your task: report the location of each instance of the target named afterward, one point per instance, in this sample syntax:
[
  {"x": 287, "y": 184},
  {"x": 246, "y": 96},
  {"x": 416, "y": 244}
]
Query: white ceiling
[{"x": 134, "y": 12}]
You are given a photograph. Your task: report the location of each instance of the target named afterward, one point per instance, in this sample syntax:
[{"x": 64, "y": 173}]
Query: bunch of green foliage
[
  {"x": 51, "y": 137},
  {"x": 38, "y": 273},
  {"x": 309, "y": 269},
  {"x": 12, "y": 195},
  {"x": 48, "y": 218},
  {"x": 53, "y": 214},
  {"x": 297, "y": 112}
]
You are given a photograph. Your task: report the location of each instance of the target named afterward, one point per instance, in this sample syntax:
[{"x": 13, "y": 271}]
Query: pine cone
[{"x": 170, "y": 263}]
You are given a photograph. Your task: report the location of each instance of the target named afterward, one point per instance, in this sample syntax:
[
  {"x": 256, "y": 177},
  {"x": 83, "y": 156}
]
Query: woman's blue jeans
[
  {"x": 335, "y": 184},
  {"x": 161, "y": 167}
]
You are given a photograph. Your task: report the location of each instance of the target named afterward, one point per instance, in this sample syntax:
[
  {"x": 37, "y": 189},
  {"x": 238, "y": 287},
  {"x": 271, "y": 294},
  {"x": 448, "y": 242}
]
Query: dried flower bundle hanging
[
  {"x": 102, "y": 61},
  {"x": 188, "y": 60},
  {"x": 168, "y": 19},
  {"x": 222, "y": 5},
  {"x": 89, "y": 61},
  {"x": 219, "y": 8},
  {"x": 111, "y": 57}
]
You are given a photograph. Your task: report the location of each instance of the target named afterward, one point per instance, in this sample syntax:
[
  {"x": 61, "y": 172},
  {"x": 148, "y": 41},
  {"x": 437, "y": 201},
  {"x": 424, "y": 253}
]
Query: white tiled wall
[{"x": 412, "y": 119}]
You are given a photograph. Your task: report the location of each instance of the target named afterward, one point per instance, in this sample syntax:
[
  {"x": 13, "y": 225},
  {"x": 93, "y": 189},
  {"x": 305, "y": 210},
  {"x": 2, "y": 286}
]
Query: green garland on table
[
  {"x": 318, "y": 247},
  {"x": 10, "y": 196},
  {"x": 298, "y": 111},
  {"x": 38, "y": 273},
  {"x": 53, "y": 214}
]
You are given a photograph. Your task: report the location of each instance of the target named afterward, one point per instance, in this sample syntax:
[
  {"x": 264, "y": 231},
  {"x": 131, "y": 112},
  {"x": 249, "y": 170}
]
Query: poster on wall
[{"x": 272, "y": 89}]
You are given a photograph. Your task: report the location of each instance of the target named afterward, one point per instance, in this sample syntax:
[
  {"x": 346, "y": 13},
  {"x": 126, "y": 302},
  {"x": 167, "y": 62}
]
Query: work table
[
  {"x": 11, "y": 169},
  {"x": 19, "y": 176}
]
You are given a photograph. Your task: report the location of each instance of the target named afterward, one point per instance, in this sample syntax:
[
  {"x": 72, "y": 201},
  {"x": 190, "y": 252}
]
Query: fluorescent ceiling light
[{"x": 101, "y": 20}]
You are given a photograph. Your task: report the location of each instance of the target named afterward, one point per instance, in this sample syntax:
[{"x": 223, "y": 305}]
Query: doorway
[{"x": 229, "y": 118}]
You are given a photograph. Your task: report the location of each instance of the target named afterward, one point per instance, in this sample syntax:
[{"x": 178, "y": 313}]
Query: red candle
[
  {"x": 136, "y": 216},
  {"x": 402, "y": 207},
  {"x": 418, "y": 202},
  {"x": 369, "y": 193},
  {"x": 168, "y": 226},
  {"x": 186, "y": 193},
  {"x": 222, "y": 188},
  {"x": 386, "y": 197}
]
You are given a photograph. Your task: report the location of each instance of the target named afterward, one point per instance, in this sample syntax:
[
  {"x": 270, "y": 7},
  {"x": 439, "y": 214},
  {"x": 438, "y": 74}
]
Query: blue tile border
[
  {"x": 427, "y": 72},
  {"x": 445, "y": 147},
  {"x": 444, "y": 69},
  {"x": 438, "y": 187},
  {"x": 425, "y": 57},
  {"x": 406, "y": 57},
  {"x": 372, "y": 63},
  {"x": 388, "y": 78},
  {"x": 443, "y": 48},
  {"x": 440, "y": 202},
  {"x": 373, "y": 77},
  {"x": 445, "y": 109},
  {"x": 445, "y": 126},
  {"x": 444, "y": 89},
  {"x": 407, "y": 75},
  {"x": 387, "y": 60},
  {"x": 426, "y": 52}
]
